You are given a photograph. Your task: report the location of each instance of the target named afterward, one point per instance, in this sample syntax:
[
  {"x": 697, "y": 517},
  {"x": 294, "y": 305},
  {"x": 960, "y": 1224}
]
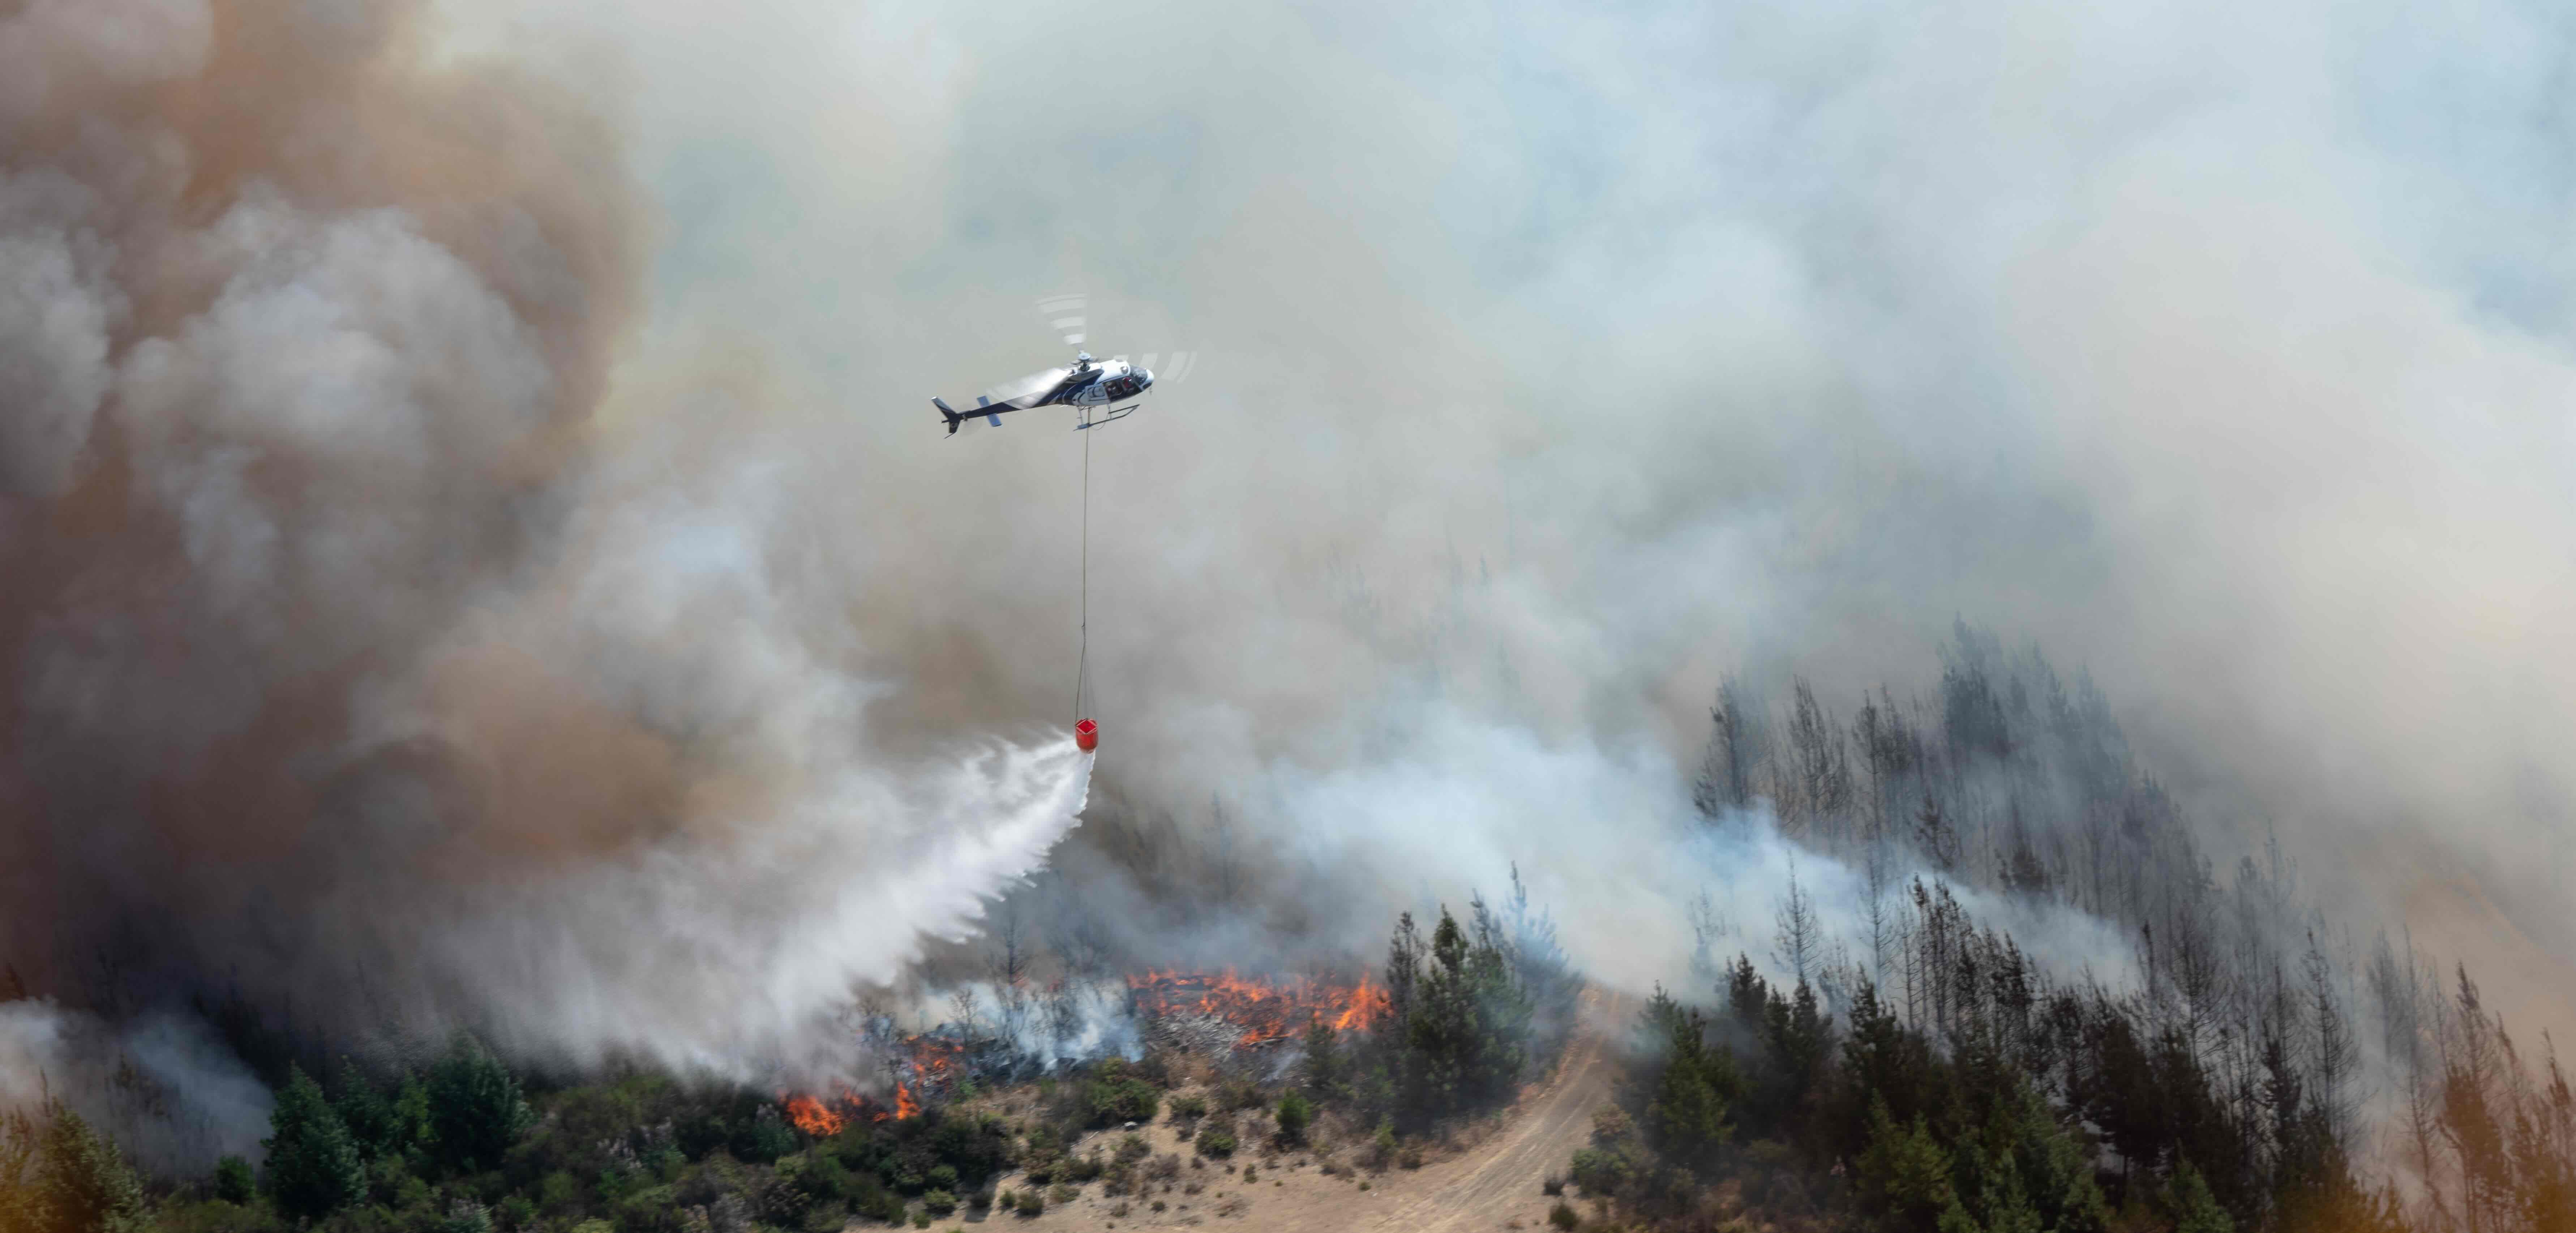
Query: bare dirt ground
[{"x": 1490, "y": 1182}]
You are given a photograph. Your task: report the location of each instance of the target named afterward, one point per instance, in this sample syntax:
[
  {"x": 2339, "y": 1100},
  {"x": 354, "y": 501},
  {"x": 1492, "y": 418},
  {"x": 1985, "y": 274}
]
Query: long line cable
[{"x": 1082, "y": 658}]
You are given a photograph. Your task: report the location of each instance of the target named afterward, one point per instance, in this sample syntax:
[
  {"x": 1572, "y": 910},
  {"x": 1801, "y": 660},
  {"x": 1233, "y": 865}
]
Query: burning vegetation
[{"x": 1260, "y": 1012}]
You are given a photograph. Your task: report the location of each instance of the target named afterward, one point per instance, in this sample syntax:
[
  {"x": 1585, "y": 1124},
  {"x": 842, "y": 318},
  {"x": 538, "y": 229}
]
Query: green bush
[
  {"x": 313, "y": 1165},
  {"x": 1602, "y": 1171},
  {"x": 1238, "y": 1095},
  {"x": 1295, "y": 1113},
  {"x": 938, "y": 1202},
  {"x": 475, "y": 1108},
  {"x": 466, "y": 1216},
  {"x": 1215, "y": 1141},
  {"x": 1113, "y": 1096},
  {"x": 1032, "y": 1202},
  {"x": 234, "y": 1182},
  {"x": 1563, "y": 1216}
]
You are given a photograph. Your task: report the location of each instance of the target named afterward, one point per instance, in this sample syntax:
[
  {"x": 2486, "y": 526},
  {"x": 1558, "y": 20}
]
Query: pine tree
[
  {"x": 1905, "y": 1171},
  {"x": 84, "y": 1184},
  {"x": 2193, "y": 1208},
  {"x": 313, "y": 1165},
  {"x": 475, "y": 1111},
  {"x": 369, "y": 1116},
  {"x": 1686, "y": 1120}
]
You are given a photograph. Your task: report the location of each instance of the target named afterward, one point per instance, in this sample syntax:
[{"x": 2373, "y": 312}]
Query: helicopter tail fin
[{"x": 952, "y": 417}]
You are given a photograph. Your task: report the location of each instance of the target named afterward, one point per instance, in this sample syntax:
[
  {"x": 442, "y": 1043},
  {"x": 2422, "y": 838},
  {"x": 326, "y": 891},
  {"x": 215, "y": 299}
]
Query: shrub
[
  {"x": 233, "y": 1181},
  {"x": 1295, "y": 1113},
  {"x": 1215, "y": 1141},
  {"x": 1113, "y": 1097},
  {"x": 1602, "y": 1171},
  {"x": 1381, "y": 1148},
  {"x": 921, "y": 1220},
  {"x": 313, "y": 1165},
  {"x": 466, "y": 1216},
  {"x": 1552, "y": 1186},
  {"x": 1063, "y": 1192},
  {"x": 1563, "y": 1216},
  {"x": 1189, "y": 1108},
  {"x": 475, "y": 1109},
  {"x": 1031, "y": 1202},
  {"x": 1238, "y": 1095},
  {"x": 938, "y": 1202}
]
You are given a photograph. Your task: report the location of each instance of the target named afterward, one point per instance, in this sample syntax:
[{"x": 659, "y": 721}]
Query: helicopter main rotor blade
[{"x": 1023, "y": 392}]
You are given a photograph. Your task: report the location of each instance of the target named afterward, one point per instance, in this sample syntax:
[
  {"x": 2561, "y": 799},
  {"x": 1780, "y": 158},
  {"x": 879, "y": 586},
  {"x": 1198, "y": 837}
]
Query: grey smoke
[
  {"x": 2220, "y": 350},
  {"x": 360, "y": 666},
  {"x": 412, "y": 575}
]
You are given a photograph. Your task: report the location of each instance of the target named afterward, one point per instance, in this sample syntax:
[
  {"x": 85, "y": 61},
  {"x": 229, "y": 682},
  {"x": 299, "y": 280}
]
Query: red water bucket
[{"x": 1086, "y": 736}]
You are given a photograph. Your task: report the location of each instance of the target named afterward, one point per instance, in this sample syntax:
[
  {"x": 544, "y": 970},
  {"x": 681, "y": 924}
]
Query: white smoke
[
  {"x": 171, "y": 1095},
  {"x": 1606, "y": 838}
]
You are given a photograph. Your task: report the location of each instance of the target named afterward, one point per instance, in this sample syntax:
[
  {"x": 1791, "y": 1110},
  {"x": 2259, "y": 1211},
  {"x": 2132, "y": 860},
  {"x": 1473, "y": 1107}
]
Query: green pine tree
[
  {"x": 2194, "y": 1209},
  {"x": 313, "y": 1165},
  {"x": 84, "y": 1184},
  {"x": 475, "y": 1110},
  {"x": 371, "y": 1118},
  {"x": 1686, "y": 1120},
  {"x": 1905, "y": 1170}
]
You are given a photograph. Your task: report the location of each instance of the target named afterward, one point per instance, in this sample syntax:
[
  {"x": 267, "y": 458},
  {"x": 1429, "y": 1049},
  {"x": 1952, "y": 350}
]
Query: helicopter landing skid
[{"x": 1110, "y": 418}]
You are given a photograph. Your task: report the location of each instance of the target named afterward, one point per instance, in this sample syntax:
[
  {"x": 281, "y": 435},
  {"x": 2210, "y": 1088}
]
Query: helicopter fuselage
[
  {"x": 1100, "y": 385},
  {"x": 1089, "y": 384}
]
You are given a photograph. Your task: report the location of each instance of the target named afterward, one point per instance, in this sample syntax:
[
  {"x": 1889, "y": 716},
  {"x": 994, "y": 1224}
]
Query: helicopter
[
  {"x": 1095, "y": 389},
  {"x": 1086, "y": 385}
]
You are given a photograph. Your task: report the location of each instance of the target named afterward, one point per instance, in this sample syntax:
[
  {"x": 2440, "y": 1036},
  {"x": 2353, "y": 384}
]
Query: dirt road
[{"x": 1493, "y": 1185}]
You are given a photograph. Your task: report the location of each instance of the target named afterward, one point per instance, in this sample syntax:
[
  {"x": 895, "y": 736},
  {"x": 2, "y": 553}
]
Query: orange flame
[
  {"x": 814, "y": 1117},
  {"x": 1264, "y": 1011}
]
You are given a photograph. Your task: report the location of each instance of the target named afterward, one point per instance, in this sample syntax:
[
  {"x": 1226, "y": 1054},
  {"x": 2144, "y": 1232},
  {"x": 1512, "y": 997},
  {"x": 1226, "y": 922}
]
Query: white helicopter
[
  {"x": 1093, "y": 388},
  {"x": 1085, "y": 385}
]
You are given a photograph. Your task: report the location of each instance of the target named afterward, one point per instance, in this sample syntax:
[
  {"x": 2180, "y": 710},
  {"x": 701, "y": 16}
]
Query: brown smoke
[
  {"x": 341, "y": 320},
  {"x": 350, "y": 662}
]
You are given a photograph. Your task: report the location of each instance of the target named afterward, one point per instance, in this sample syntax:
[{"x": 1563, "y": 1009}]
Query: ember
[{"x": 1263, "y": 1011}]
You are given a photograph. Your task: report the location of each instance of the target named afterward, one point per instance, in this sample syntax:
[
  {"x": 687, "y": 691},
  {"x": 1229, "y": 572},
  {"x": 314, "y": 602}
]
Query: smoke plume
[
  {"x": 481, "y": 551},
  {"x": 357, "y": 669}
]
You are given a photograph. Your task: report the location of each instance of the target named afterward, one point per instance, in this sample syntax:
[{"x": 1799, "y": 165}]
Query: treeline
[
  {"x": 465, "y": 1144},
  {"x": 2010, "y": 1103},
  {"x": 1473, "y": 1011},
  {"x": 1924, "y": 1074}
]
